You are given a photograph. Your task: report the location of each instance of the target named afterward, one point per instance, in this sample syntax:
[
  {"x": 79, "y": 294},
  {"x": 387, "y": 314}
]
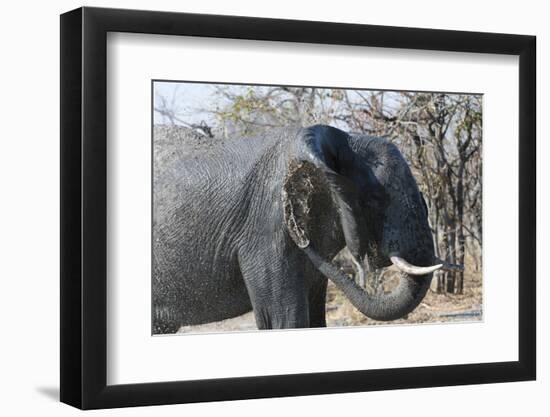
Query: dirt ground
[{"x": 435, "y": 308}]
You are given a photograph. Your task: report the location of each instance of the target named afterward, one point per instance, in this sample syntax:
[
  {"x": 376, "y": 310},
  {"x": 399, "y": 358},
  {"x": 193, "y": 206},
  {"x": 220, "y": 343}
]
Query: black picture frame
[{"x": 84, "y": 207}]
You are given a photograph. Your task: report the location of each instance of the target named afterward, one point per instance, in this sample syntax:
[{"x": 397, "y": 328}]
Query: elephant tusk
[
  {"x": 359, "y": 270},
  {"x": 410, "y": 269}
]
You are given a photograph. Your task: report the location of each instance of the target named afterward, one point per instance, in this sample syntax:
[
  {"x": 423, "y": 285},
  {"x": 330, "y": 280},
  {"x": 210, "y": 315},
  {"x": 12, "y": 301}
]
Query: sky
[{"x": 191, "y": 98}]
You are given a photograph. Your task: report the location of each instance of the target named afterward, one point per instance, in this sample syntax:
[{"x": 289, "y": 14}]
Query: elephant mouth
[
  {"x": 373, "y": 263},
  {"x": 369, "y": 267},
  {"x": 418, "y": 262}
]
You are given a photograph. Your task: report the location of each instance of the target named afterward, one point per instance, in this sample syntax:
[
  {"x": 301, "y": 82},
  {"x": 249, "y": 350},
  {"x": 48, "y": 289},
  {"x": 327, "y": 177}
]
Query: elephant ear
[{"x": 326, "y": 163}]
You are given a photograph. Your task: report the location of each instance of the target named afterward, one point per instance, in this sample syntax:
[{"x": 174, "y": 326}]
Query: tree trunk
[
  {"x": 442, "y": 277},
  {"x": 451, "y": 277}
]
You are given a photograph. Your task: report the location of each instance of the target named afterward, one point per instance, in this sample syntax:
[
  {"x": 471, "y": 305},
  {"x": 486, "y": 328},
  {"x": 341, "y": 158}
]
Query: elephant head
[{"x": 381, "y": 215}]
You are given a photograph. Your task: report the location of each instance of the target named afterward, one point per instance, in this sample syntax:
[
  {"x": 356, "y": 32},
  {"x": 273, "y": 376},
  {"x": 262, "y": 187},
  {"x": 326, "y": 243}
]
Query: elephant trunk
[{"x": 384, "y": 306}]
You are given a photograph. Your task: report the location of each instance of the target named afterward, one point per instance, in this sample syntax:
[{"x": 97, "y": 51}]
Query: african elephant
[{"x": 253, "y": 223}]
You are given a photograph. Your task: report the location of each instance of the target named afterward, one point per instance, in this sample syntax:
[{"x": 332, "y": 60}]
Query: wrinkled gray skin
[{"x": 254, "y": 224}]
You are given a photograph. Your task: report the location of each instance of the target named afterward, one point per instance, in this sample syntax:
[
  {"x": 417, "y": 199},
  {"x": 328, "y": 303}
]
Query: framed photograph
[{"x": 256, "y": 208}]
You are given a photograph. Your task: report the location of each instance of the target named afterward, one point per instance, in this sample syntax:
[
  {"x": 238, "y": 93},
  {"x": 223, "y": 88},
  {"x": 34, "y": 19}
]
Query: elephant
[{"x": 253, "y": 223}]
